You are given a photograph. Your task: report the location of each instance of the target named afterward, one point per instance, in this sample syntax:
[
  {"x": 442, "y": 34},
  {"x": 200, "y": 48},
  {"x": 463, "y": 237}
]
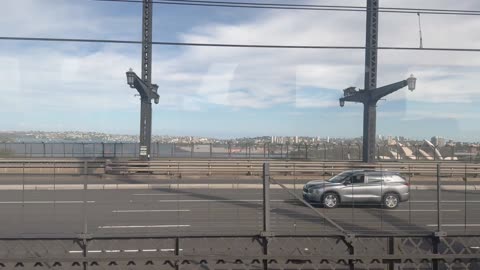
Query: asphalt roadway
[{"x": 194, "y": 210}]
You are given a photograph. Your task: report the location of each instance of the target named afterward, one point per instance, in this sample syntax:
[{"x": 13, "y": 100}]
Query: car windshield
[{"x": 339, "y": 177}]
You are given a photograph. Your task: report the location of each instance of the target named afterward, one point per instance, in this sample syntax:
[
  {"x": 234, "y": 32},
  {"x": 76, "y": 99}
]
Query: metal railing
[
  {"x": 320, "y": 151},
  {"x": 357, "y": 236}
]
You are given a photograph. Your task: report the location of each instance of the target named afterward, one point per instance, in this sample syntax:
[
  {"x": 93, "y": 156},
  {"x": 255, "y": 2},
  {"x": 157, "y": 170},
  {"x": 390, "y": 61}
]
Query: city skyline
[{"x": 99, "y": 136}]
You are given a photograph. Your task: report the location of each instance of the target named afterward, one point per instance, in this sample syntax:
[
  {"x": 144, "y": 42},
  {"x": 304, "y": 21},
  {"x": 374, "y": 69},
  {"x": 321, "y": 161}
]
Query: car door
[
  {"x": 355, "y": 188},
  {"x": 375, "y": 183}
]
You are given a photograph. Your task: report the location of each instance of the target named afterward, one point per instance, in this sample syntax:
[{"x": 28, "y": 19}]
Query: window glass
[{"x": 358, "y": 179}]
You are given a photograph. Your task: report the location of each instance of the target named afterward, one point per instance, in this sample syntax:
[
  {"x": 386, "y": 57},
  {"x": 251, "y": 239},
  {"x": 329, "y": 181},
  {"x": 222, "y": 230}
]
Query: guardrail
[
  {"x": 254, "y": 167},
  {"x": 189, "y": 167},
  {"x": 48, "y": 166}
]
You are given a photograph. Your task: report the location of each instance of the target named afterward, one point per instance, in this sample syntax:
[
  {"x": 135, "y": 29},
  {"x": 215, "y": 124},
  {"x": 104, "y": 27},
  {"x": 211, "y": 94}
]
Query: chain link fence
[{"x": 321, "y": 151}]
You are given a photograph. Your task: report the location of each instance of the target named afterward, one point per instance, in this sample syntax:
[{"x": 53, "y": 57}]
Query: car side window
[
  {"x": 357, "y": 179},
  {"x": 375, "y": 178}
]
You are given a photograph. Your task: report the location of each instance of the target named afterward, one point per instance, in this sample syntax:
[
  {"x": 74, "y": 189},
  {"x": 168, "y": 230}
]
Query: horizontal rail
[{"x": 228, "y": 167}]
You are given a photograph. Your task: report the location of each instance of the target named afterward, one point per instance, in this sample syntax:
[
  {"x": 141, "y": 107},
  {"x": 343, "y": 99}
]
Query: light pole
[
  {"x": 369, "y": 98},
  {"x": 147, "y": 93}
]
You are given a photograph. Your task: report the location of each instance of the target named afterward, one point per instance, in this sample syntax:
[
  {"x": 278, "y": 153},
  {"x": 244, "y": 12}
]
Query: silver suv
[{"x": 359, "y": 186}]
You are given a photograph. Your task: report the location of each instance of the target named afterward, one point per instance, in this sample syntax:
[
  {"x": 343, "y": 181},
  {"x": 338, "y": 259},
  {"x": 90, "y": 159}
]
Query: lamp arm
[{"x": 383, "y": 91}]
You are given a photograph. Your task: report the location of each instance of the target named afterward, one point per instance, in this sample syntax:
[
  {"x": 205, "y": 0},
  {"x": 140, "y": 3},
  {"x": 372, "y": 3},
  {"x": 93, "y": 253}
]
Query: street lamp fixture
[
  {"x": 131, "y": 78},
  {"x": 412, "y": 83}
]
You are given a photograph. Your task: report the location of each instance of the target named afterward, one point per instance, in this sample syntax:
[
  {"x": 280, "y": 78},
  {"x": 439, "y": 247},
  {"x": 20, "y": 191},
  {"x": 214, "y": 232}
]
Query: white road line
[
  {"x": 131, "y": 250},
  {"x": 141, "y": 226},
  {"x": 94, "y": 251},
  {"x": 157, "y": 194},
  {"x": 421, "y": 210},
  {"x": 44, "y": 202},
  {"x": 148, "y": 211},
  {"x": 75, "y": 251},
  {"x": 443, "y": 201},
  {"x": 112, "y": 251},
  {"x": 149, "y": 250},
  {"x": 169, "y": 250},
  {"x": 221, "y": 200},
  {"x": 454, "y": 225}
]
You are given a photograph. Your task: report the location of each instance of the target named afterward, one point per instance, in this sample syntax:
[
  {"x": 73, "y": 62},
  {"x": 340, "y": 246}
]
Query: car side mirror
[{"x": 347, "y": 182}]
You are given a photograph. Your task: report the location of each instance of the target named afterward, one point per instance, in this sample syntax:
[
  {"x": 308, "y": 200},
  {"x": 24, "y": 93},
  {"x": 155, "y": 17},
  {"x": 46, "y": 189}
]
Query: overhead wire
[
  {"x": 207, "y": 3},
  {"x": 257, "y": 46}
]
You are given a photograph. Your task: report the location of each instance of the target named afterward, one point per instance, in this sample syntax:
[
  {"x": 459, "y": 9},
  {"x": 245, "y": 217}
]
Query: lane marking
[
  {"x": 44, "y": 202},
  {"x": 221, "y": 200},
  {"x": 149, "y": 250},
  {"x": 94, "y": 251},
  {"x": 454, "y": 225},
  {"x": 157, "y": 194},
  {"x": 112, "y": 251},
  {"x": 422, "y": 210},
  {"x": 140, "y": 226},
  {"x": 131, "y": 250},
  {"x": 148, "y": 211},
  {"x": 75, "y": 251},
  {"x": 169, "y": 250},
  {"x": 445, "y": 201}
]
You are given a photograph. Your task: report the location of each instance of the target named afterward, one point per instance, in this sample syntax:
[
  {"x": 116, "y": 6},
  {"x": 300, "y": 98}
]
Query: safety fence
[
  {"x": 143, "y": 221},
  {"x": 244, "y": 252},
  {"x": 312, "y": 151}
]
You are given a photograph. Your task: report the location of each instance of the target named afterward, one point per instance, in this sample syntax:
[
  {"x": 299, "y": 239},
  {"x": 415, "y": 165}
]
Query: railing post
[
  {"x": 465, "y": 199},
  {"x": 211, "y": 150},
  {"x": 266, "y": 233},
  {"x": 439, "y": 218},
  {"x": 306, "y": 151},
  {"x": 266, "y": 197},
  {"x": 437, "y": 236},
  {"x": 177, "y": 253},
  {"x": 391, "y": 251},
  {"x": 103, "y": 150},
  {"x": 64, "y": 150},
  {"x": 84, "y": 236}
]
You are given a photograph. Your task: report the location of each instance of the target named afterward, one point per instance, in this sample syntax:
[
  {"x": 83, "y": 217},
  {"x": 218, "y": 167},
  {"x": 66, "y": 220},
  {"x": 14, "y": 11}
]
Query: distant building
[{"x": 438, "y": 141}]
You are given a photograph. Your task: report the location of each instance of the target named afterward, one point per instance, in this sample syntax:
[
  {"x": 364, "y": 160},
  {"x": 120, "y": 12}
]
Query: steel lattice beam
[
  {"x": 146, "y": 104},
  {"x": 371, "y": 56}
]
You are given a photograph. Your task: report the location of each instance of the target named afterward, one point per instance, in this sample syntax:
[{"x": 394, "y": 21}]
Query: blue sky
[{"x": 231, "y": 92}]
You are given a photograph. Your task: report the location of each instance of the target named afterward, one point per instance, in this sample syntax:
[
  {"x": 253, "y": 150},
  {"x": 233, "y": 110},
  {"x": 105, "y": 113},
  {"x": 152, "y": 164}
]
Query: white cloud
[{"x": 197, "y": 77}]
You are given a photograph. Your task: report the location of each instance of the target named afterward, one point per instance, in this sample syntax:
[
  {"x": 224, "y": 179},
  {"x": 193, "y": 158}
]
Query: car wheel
[
  {"x": 391, "y": 200},
  {"x": 330, "y": 200}
]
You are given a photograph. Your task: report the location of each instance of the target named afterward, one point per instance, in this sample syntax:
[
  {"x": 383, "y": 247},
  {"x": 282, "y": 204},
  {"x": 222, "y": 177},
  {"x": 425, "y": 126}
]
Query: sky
[{"x": 236, "y": 92}]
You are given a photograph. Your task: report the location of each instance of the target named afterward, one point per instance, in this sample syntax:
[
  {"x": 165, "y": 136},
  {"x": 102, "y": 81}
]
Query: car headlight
[{"x": 315, "y": 191}]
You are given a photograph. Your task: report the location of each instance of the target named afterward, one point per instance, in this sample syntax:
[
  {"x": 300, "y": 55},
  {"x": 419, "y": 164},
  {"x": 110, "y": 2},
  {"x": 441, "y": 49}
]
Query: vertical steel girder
[
  {"x": 147, "y": 41},
  {"x": 371, "y": 56},
  {"x": 146, "y": 103}
]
